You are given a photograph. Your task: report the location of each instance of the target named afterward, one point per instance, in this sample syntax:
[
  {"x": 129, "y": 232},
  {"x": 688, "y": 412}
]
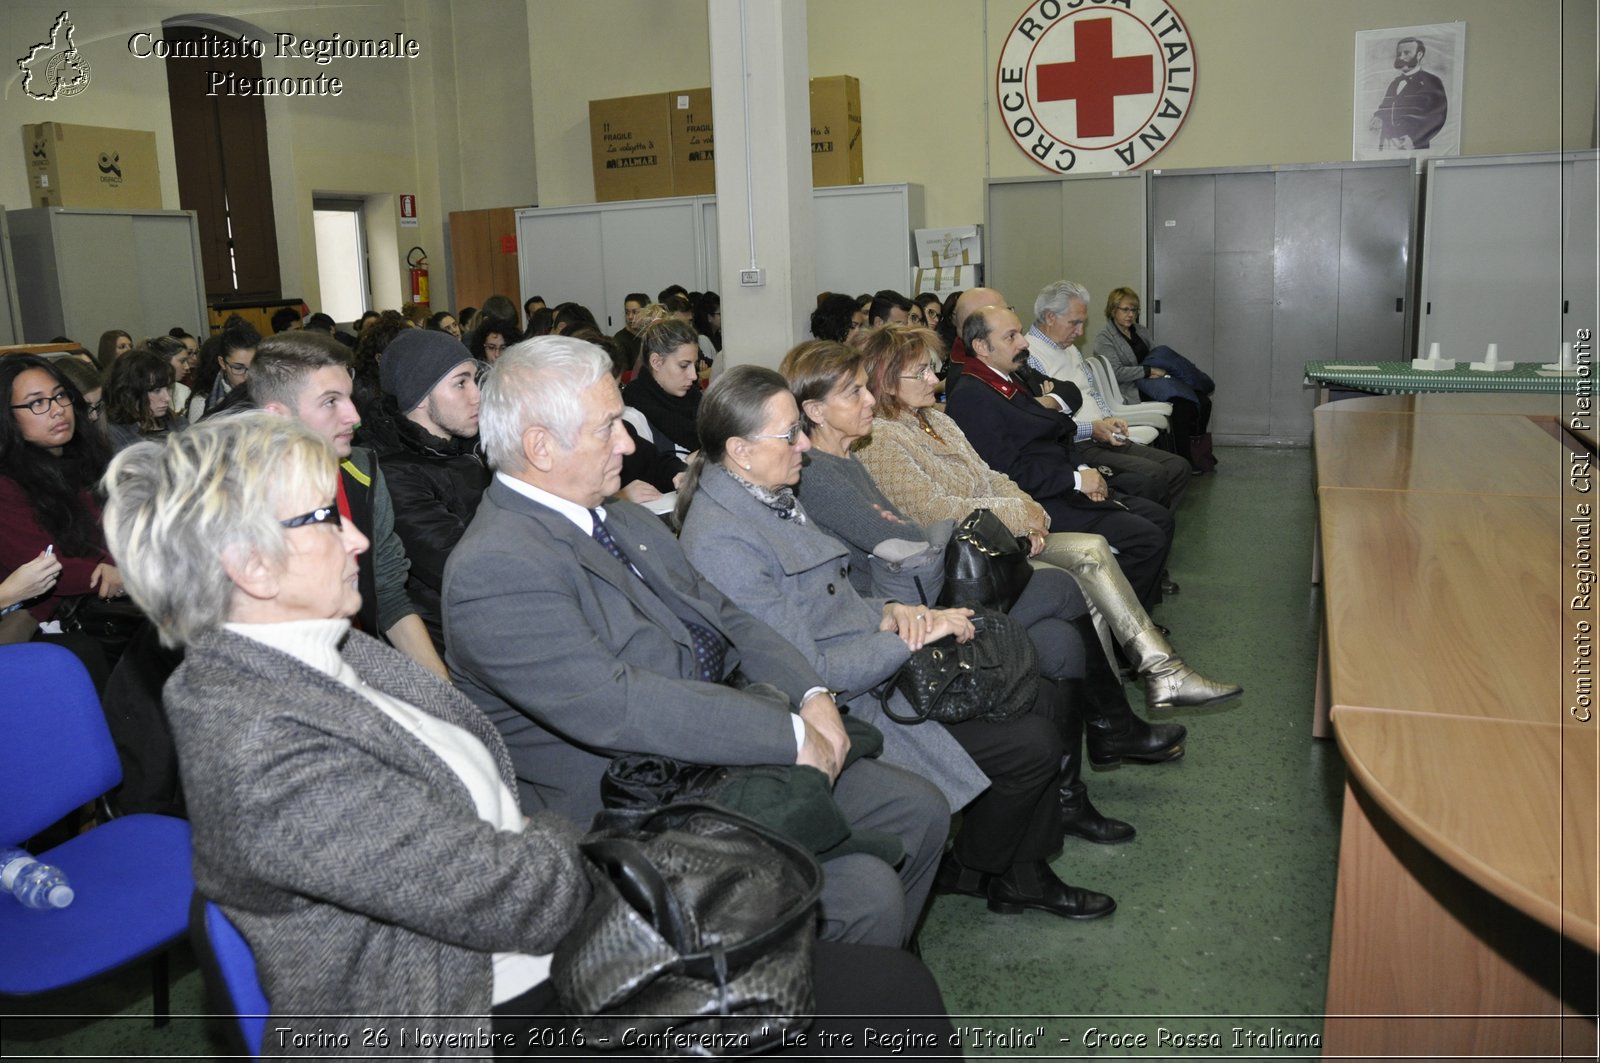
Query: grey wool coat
[
  {"x": 796, "y": 578},
  {"x": 348, "y": 854}
]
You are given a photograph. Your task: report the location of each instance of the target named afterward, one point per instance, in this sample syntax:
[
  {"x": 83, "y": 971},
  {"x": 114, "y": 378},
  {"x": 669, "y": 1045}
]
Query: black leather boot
[
  {"x": 1034, "y": 885},
  {"x": 1078, "y": 816},
  {"x": 1114, "y": 733}
]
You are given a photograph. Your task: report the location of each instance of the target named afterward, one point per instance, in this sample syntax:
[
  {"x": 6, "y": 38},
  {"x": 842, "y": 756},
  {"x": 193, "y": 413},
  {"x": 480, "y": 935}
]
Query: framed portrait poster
[{"x": 1408, "y": 92}]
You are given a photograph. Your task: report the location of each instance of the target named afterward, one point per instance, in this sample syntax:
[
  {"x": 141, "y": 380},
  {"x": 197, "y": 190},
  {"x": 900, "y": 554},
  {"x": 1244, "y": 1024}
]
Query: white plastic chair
[{"x": 1149, "y": 414}]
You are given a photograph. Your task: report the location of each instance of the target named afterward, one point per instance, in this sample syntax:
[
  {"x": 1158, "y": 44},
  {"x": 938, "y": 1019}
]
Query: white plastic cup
[
  {"x": 1566, "y": 356},
  {"x": 1433, "y": 351},
  {"x": 1492, "y": 355}
]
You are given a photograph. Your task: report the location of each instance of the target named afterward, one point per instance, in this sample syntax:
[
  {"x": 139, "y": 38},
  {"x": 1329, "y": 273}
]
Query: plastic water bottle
[{"x": 36, "y": 885}]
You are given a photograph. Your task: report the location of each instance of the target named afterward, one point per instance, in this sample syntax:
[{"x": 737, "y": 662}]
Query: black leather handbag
[
  {"x": 702, "y": 923},
  {"x": 984, "y": 564},
  {"x": 993, "y": 677}
]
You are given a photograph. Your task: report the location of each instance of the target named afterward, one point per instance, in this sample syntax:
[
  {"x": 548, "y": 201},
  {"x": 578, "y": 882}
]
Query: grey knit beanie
[{"x": 415, "y": 361}]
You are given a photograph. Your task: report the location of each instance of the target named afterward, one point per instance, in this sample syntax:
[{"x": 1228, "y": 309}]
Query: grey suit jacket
[
  {"x": 576, "y": 659},
  {"x": 349, "y": 855},
  {"x": 797, "y": 579}
]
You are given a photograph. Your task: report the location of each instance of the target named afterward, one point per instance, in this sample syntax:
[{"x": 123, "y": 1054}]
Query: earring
[{"x": 747, "y": 468}]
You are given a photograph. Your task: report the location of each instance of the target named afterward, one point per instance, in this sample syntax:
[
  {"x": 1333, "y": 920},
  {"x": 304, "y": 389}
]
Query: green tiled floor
[{"x": 1224, "y": 900}]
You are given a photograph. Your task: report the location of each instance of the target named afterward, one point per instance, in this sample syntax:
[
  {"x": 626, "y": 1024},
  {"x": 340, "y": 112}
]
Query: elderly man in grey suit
[{"x": 583, "y": 632}]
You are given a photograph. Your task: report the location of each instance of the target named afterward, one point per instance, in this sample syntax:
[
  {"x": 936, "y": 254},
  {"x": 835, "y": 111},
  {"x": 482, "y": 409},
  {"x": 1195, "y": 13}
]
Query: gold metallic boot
[{"x": 1168, "y": 682}]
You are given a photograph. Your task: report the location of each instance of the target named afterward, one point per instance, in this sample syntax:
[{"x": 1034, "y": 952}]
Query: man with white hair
[
  {"x": 578, "y": 625},
  {"x": 1059, "y": 314}
]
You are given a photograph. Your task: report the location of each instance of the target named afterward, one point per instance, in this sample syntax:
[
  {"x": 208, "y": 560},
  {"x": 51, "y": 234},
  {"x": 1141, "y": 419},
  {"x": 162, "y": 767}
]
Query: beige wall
[
  {"x": 483, "y": 119},
  {"x": 1274, "y": 86}
]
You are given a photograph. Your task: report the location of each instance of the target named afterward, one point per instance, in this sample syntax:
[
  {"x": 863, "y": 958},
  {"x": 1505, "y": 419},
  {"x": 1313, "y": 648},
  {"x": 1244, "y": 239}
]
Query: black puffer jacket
[{"x": 436, "y": 484}]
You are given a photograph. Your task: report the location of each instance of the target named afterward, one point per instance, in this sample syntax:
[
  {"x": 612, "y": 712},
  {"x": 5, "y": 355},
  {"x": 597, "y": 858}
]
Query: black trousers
[
  {"x": 1017, "y": 819},
  {"x": 1148, "y": 472},
  {"x": 859, "y": 988}
]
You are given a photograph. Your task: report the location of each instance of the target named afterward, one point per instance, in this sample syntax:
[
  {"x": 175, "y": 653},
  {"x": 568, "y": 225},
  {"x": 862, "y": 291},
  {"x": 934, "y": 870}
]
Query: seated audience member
[
  {"x": 708, "y": 325},
  {"x": 928, "y": 305},
  {"x": 468, "y": 317},
  {"x": 81, "y": 372},
  {"x": 927, "y": 469},
  {"x": 542, "y": 322},
  {"x": 306, "y": 375},
  {"x": 1059, "y": 314},
  {"x": 627, "y": 336},
  {"x": 285, "y": 318},
  {"x": 837, "y": 318},
  {"x": 840, "y": 496},
  {"x": 50, "y": 464},
  {"x": 1159, "y": 374},
  {"x": 534, "y": 304},
  {"x": 224, "y": 365},
  {"x": 583, "y": 632},
  {"x": 436, "y": 474},
  {"x": 672, "y": 291},
  {"x": 1014, "y": 434},
  {"x": 664, "y": 396},
  {"x": 570, "y": 317},
  {"x": 445, "y": 321},
  {"x": 745, "y": 531},
  {"x": 500, "y": 306},
  {"x": 492, "y": 338},
  {"x": 415, "y": 313},
  {"x": 320, "y": 322},
  {"x": 139, "y": 399},
  {"x": 114, "y": 343},
  {"x": 367, "y": 318},
  {"x": 190, "y": 344},
  {"x": 175, "y": 351},
  {"x": 946, "y": 328},
  {"x": 888, "y": 307},
  {"x": 370, "y": 345},
  {"x": 326, "y": 853}
]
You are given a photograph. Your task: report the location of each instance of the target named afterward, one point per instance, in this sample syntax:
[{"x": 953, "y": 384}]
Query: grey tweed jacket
[{"x": 348, "y": 854}]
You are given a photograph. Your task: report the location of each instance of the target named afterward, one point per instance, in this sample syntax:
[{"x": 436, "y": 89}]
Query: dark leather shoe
[
  {"x": 955, "y": 877},
  {"x": 1044, "y": 892},
  {"x": 1082, "y": 820},
  {"x": 1168, "y": 586},
  {"x": 1151, "y": 743}
]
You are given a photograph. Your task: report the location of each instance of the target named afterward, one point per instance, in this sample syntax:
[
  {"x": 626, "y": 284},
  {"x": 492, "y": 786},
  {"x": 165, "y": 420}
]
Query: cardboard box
[
  {"x": 630, "y": 143},
  {"x": 91, "y": 166},
  {"x": 960, "y": 246},
  {"x": 694, "y": 146},
  {"x": 944, "y": 280},
  {"x": 836, "y": 131}
]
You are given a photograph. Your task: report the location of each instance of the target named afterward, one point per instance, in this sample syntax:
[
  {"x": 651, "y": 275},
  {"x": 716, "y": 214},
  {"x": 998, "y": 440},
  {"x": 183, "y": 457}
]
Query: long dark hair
[
  {"x": 128, "y": 386},
  {"x": 733, "y": 406},
  {"x": 55, "y": 485}
]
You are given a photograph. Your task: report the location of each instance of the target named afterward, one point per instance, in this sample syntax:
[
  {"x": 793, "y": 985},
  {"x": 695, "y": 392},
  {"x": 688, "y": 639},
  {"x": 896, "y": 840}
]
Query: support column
[{"x": 761, "y": 109}]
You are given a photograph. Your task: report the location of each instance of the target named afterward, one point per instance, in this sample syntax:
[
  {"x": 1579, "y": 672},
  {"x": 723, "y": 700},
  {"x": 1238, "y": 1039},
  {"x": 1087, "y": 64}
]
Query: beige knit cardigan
[{"x": 930, "y": 480}]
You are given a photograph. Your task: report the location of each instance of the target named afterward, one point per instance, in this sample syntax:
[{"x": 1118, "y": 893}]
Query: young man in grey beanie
[{"x": 436, "y": 474}]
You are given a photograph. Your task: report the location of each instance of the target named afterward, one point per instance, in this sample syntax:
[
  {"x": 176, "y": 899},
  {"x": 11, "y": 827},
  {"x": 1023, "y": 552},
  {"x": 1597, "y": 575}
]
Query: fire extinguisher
[{"x": 417, "y": 259}]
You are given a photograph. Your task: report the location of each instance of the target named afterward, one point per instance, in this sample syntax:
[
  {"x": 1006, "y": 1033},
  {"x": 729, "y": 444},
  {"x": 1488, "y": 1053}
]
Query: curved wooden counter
[{"x": 1468, "y": 861}]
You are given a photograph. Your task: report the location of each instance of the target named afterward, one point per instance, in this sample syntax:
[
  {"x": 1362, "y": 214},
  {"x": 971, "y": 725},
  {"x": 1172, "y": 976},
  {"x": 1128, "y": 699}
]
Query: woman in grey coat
[
  {"x": 746, "y": 533},
  {"x": 353, "y": 814}
]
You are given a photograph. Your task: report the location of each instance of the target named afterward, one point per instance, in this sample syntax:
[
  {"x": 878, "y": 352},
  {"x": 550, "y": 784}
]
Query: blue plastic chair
[
  {"x": 228, "y": 965},
  {"x": 132, "y": 876}
]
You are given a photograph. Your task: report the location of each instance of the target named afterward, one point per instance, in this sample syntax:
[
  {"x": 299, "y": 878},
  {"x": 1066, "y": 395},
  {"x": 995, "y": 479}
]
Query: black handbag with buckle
[
  {"x": 984, "y": 564},
  {"x": 993, "y": 677}
]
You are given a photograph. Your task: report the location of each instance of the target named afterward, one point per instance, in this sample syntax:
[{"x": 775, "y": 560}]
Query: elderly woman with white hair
[{"x": 353, "y": 814}]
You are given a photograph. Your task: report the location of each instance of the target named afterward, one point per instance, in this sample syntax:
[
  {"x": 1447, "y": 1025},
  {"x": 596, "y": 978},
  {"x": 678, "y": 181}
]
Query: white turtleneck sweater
[{"x": 315, "y": 643}]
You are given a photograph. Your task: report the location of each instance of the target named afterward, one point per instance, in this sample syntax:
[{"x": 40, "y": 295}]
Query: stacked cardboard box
[
  {"x": 948, "y": 260},
  {"x": 91, "y": 166},
  {"x": 663, "y": 144}
]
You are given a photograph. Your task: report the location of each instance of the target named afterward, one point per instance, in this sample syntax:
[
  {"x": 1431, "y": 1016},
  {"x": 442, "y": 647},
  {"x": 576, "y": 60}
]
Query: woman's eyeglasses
[
  {"x": 39, "y": 407},
  {"x": 321, "y": 515},
  {"x": 921, "y": 372},
  {"x": 788, "y": 437}
]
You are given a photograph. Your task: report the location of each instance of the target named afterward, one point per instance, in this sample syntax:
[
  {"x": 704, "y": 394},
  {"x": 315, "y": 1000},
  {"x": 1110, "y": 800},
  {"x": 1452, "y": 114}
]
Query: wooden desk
[{"x": 1467, "y": 913}]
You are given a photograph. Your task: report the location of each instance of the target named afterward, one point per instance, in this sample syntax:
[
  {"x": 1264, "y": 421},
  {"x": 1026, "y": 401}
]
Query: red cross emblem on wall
[
  {"x": 1095, "y": 78},
  {"x": 1086, "y": 85}
]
